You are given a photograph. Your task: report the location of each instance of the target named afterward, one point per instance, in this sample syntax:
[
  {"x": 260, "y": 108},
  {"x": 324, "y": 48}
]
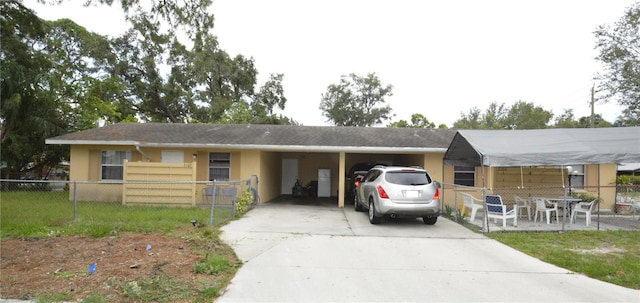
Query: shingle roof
[{"x": 271, "y": 136}]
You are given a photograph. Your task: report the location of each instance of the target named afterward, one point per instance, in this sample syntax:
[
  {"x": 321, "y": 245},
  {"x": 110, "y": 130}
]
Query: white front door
[{"x": 289, "y": 175}]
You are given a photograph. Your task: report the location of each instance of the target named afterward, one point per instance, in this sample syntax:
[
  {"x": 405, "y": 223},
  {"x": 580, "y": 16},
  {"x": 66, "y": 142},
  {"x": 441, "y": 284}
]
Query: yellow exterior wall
[
  {"x": 270, "y": 176},
  {"x": 608, "y": 174},
  {"x": 433, "y": 164},
  {"x": 85, "y": 166}
]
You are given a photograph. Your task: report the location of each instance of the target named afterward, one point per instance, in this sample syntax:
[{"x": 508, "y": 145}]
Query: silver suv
[{"x": 396, "y": 191}]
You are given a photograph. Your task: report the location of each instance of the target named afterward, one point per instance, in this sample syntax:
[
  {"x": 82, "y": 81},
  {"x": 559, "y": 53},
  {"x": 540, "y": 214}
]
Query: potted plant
[{"x": 624, "y": 188}]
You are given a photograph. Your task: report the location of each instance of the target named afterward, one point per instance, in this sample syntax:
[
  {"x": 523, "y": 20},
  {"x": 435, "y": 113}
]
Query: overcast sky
[{"x": 441, "y": 57}]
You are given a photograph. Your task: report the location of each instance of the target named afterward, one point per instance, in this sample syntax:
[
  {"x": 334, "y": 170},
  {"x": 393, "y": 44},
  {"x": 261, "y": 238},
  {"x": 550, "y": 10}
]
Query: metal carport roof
[{"x": 538, "y": 147}]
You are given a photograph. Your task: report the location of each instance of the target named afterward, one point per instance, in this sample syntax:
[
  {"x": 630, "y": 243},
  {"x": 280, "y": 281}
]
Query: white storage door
[{"x": 289, "y": 175}]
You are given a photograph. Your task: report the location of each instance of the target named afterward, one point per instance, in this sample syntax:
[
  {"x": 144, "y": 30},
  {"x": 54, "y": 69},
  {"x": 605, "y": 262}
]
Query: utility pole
[{"x": 593, "y": 101}]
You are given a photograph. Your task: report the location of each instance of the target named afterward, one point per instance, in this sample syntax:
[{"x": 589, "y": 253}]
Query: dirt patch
[
  {"x": 31, "y": 268},
  {"x": 602, "y": 250}
]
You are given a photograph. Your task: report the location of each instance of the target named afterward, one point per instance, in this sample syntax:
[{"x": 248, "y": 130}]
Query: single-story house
[{"x": 277, "y": 154}]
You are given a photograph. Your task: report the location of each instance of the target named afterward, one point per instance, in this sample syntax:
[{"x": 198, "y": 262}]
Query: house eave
[{"x": 278, "y": 148}]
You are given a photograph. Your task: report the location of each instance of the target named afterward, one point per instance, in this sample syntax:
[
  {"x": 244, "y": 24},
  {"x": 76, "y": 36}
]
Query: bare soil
[{"x": 31, "y": 268}]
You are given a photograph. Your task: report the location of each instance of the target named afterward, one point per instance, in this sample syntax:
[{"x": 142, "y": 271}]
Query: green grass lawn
[
  {"x": 611, "y": 256},
  {"x": 43, "y": 214}
]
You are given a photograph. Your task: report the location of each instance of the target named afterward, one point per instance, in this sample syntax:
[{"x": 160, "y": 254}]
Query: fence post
[
  {"x": 457, "y": 213},
  {"x": 75, "y": 201},
  {"x": 564, "y": 207},
  {"x": 213, "y": 199}
]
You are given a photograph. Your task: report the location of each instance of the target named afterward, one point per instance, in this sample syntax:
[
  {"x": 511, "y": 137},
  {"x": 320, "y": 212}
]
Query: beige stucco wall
[
  {"x": 607, "y": 183},
  {"x": 270, "y": 175}
]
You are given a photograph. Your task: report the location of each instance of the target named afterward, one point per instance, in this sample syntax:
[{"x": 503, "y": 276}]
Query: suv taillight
[
  {"x": 357, "y": 183},
  {"x": 436, "y": 196},
  {"x": 382, "y": 193}
]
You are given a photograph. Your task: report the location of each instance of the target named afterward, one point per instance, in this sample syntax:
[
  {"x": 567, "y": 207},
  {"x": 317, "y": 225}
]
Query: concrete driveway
[{"x": 310, "y": 251}]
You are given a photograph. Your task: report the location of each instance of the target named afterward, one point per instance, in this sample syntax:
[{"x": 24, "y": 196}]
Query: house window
[
  {"x": 464, "y": 175},
  {"x": 219, "y": 166},
  {"x": 576, "y": 176},
  {"x": 111, "y": 164},
  {"x": 172, "y": 156}
]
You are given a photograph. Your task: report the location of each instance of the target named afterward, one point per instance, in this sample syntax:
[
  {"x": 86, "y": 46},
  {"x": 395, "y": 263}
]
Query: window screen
[{"x": 111, "y": 163}]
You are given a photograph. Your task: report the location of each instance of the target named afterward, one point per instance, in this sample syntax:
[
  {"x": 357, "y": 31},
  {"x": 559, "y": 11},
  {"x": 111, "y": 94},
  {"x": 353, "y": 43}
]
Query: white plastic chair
[
  {"x": 207, "y": 194},
  {"x": 523, "y": 204},
  {"x": 582, "y": 207},
  {"x": 543, "y": 208},
  {"x": 635, "y": 206},
  {"x": 469, "y": 201}
]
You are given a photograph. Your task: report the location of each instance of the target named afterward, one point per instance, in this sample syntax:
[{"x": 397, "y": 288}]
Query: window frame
[
  {"x": 464, "y": 170},
  {"x": 580, "y": 175},
  {"x": 127, "y": 155},
  {"x": 218, "y": 164}
]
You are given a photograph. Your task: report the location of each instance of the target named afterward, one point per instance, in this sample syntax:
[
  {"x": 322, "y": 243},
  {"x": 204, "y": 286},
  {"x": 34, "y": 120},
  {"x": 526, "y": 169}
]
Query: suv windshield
[{"x": 408, "y": 177}]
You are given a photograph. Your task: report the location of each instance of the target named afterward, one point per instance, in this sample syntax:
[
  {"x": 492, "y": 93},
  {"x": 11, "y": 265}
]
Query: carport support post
[
  {"x": 341, "y": 180},
  {"x": 485, "y": 218},
  {"x": 564, "y": 204}
]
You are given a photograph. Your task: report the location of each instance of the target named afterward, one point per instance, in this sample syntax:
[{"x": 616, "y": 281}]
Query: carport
[
  {"x": 300, "y": 152},
  {"x": 544, "y": 147}
]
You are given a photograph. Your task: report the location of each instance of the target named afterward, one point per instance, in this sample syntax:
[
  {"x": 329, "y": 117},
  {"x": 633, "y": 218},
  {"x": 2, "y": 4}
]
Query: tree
[
  {"x": 522, "y": 115},
  {"x": 619, "y": 53},
  {"x": 585, "y": 122},
  {"x": 566, "y": 120},
  {"x": 417, "y": 121},
  {"x": 27, "y": 112},
  {"x": 472, "y": 120},
  {"x": 526, "y": 115},
  {"x": 57, "y": 77},
  {"x": 492, "y": 118},
  {"x": 357, "y": 101},
  {"x": 79, "y": 79},
  {"x": 270, "y": 95},
  {"x": 629, "y": 117}
]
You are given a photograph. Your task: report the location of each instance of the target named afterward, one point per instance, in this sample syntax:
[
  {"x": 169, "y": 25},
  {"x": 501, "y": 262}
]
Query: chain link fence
[
  {"x": 600, "y": 208},
  {"x": 59, "y": 202}
]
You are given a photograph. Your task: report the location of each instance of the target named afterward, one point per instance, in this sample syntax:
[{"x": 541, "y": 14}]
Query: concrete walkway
[{"x": 307, "y": 251}]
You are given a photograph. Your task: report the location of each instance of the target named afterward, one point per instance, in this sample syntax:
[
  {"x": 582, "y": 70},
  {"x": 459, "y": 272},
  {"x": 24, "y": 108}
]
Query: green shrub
[
  {"x": 243, "y": 201},
  {"x": 585, "y": 196},
  {"x": 627, "y": 180}
]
